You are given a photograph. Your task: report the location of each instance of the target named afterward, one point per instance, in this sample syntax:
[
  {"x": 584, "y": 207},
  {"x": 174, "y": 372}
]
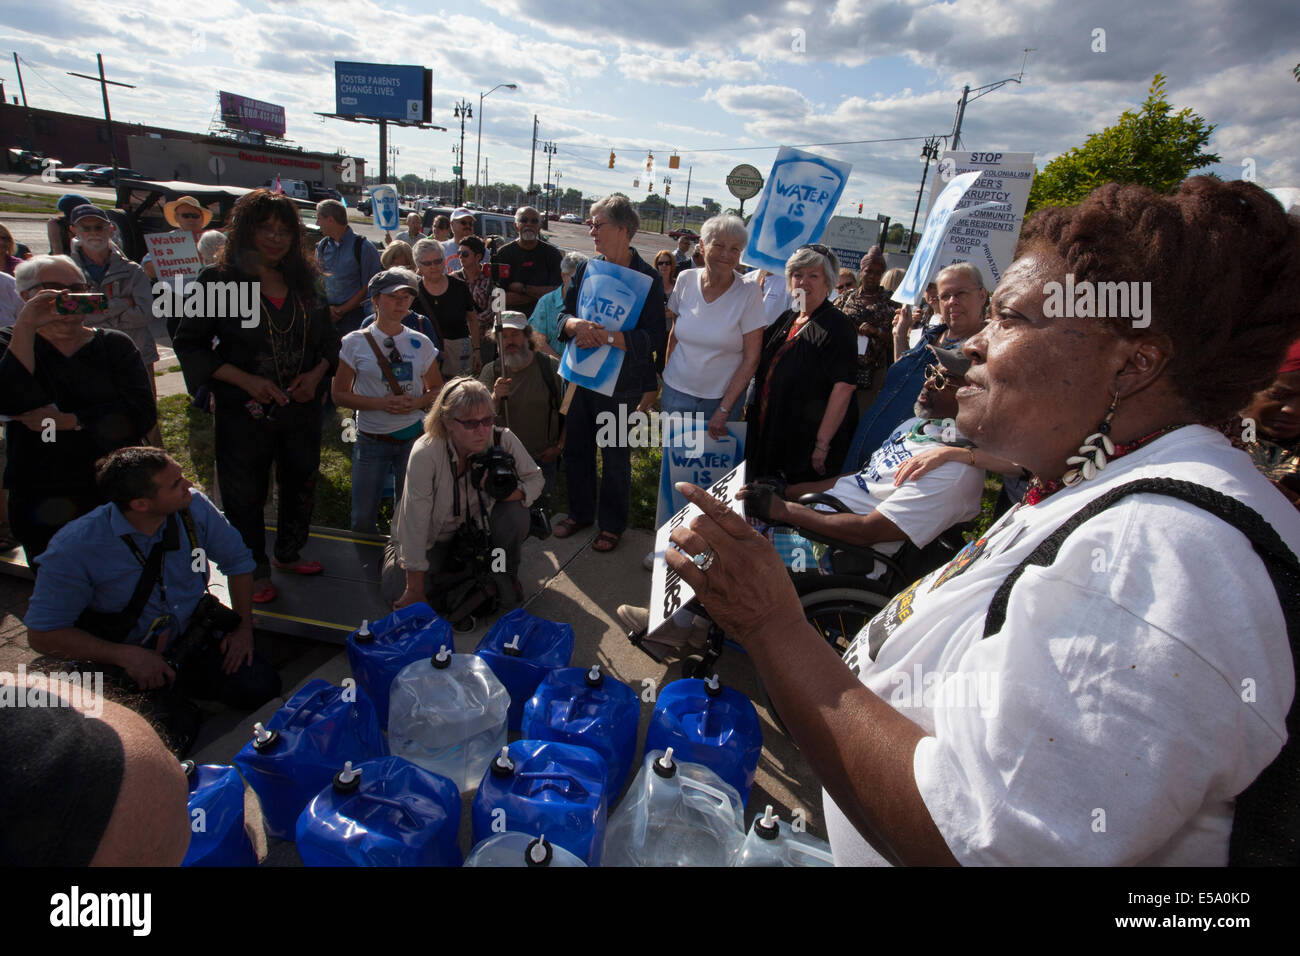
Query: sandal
[
  {"x": 606, "y": 541},
  {"x": 569, "y": 527},
  {"x": 303, "y": 567}
]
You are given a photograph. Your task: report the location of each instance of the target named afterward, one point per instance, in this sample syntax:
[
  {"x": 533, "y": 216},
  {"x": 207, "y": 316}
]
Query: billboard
[
  {"x": 240, "y": 112},
  {"x": 383, "y": 91}
]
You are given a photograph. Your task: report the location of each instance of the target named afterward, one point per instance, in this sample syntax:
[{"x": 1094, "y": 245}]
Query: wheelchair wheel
[{"x": 837, "y": 614}]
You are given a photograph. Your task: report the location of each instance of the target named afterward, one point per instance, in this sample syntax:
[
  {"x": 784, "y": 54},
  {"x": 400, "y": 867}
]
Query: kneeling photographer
[
  {"x": 124, "y": 589},
  {"x": 464, "y": 510}
]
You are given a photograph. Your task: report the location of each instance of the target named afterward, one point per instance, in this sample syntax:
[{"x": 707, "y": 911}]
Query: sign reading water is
[
  {"x": 802, "y": 191},
  {"x": 611, "y": 296}
]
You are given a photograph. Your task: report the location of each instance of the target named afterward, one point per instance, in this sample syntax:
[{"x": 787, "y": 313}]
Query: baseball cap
[
  {"x": 87, "y": 211},
  {"x": 514, "y": 320},
  {"x": 461, "y": 213},
  {"x": 392, "y": 280}
]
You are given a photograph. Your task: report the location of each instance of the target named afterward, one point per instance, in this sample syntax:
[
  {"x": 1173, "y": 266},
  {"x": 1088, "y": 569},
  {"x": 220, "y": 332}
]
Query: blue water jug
[
  {"x": 707, "y": 723},
  {"x": 216, "y": 805},
  {"x": 302, "y": 746},
  {"x": 521, "y": 650},
  {"x": 521, "y": 849},
  {"x": 385, "y": 812},
  {"x": 541, "y": 787},
  {"x": 378, "y": 651},
  {"x": 587, "y": 708}
]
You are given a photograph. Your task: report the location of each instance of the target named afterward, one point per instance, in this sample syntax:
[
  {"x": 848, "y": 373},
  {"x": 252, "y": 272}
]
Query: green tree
[
  {"x": 1153, "y": 147},
  {"x": 894, "y": 235}
]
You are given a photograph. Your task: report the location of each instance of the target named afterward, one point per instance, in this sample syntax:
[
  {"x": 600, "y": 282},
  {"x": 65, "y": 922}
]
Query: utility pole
[
  {"x": 686, "y": 209},
  {"x": 21, "y": 88},
  {"x": 464, "y": 111},
  {"x": 979, "y": 91},
  {"x": 532, "y": 165},
  {"x": 928, "y": 152},
  {"x": 108, "y": 116}
]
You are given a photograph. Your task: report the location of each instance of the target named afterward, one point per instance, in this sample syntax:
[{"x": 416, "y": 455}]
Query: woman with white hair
[
  {"x": 801, "y": 415},
  {"x": 546, "y": 314},
  {"x": 210, "y": 245},
  {"x": 714, "y": 343}
]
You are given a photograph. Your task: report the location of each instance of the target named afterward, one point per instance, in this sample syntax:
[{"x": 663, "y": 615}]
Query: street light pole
[
  {"x": 478, "y": 153},
  {"x": 464, "y": 111},
  {"x": 549, "y": 149},
  {"x": 928, "y": 152}
]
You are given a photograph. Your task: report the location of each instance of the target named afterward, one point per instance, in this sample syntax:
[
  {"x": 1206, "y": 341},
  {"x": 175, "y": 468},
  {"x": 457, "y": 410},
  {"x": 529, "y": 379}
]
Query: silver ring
[{"x": 704, "y": 560}]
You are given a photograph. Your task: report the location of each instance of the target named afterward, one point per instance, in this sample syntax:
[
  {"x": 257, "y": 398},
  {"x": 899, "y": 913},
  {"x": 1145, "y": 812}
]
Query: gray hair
[
  {"x": 967, "y": 269},
  {"x": 523, "y": 209},
  {"x": 569, "y": 264},
  {"x": 209, "y": 244},
  {"x": 458, "y": 396},
  {"x": 332, "y": 209},
  {"x": 728, "y": 225},
  {"x": 425, "y": 245},
  {"x": 808, "y": 256},
  {"x": 28, "y": 273},
  {"x": 620, "y": 212}
]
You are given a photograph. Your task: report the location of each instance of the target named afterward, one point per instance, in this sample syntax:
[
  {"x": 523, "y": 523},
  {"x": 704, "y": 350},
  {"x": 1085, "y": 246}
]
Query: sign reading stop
[{"x": 744, "y": 181}]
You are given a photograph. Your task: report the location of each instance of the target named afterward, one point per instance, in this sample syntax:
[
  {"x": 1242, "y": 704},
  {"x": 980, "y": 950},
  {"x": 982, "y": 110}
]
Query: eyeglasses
[
  {"x": 595, "y": 226},
  {"x": 432, "y": 262},
  {"x": 528, "y": 222},
  {"x": 938, "y": 380},
  {"x": 269, "y": 232},
  {"x": 189, "y": 215},
  {"x": 473, "y": 424},
  {"x": 844, "y": 287},
  {"x": 663, "y": 262},
  {"x": 818, "y": 248},
  {"x": 62, "y": 287}
]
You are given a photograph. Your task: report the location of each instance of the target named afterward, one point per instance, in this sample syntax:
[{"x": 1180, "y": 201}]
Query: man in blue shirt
[
  {"x": 348, "y": 262},
  {"x": 95, "y": 564}
]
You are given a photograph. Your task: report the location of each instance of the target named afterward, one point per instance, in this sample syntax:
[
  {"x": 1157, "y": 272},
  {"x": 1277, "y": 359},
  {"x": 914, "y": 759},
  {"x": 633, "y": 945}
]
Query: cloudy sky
[{"x": 720, "y": 82}]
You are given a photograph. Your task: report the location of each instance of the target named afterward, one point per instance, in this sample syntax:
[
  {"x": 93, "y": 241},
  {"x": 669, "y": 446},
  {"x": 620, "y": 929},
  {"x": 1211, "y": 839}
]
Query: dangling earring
[{"x": 1092, "y": 456}]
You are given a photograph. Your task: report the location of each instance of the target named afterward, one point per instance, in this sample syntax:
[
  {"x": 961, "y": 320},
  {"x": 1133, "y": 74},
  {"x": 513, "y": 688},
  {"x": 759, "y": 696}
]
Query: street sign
[
  {"x": 455, "y": 170},
  {"x": 744, "y": 181}
]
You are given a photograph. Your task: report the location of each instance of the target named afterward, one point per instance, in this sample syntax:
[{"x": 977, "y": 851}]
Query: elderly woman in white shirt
[
  {"x": 715, "y": 341},
  {"x": 440, "y": 496}
]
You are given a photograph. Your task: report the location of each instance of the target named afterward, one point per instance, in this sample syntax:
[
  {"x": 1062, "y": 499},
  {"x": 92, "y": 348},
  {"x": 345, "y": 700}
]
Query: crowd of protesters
[{"x": 449, "y": 357}]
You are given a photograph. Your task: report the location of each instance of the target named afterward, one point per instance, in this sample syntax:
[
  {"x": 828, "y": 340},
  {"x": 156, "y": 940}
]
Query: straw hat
[{"x": 169, "y": 211}]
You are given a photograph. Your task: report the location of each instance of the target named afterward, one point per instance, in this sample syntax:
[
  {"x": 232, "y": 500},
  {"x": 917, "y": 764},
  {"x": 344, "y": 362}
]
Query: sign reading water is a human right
[
  {"x": 802, "y": 191},
  {"x": 612, "y": 296},
  {"x": 692, "y": 454},
  {"x": 942, "y": 216},
  {"x": 668, "y": 592},
  {"x": 174, "y": 254},
  {"x": 987, "y": 237}
]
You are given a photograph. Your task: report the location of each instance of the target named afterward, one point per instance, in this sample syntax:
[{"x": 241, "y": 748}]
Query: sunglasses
[
  {"x": 528, "y": 222},
  {"x": 938, "y": 380},
  {"x": 189, "y": 215},
  {"x": 62, "y": 287},
  {"x": 393, "y": 355},
  {"x": 818, "y": 248},
  {"x": 432, "y": 262},
  {"x": 473, "y": 424}
]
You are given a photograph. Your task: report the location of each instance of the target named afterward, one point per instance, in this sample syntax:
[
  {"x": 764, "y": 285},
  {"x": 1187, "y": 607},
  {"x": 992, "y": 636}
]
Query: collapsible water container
[
  {"x": 216, "y": 805},
  {"x": 521, "y": 650},
  {"x": 520, "y": 849},
  {"x": 584, "y": 707},
  {"x": 538, "y": 786},
  {"x": 707, "y": 723},
  {"x": 773, "y": 842},
  {"x": 447, "y": 713},
  {"x": 378, "y": 651},
  {"x": 385, "y": 812},
  {"x": 675, "y": 814},
  {"x": 302, "y": 746}
]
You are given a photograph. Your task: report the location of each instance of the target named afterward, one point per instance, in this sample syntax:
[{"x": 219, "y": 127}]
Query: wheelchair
[{"x": 838, "y": 605}]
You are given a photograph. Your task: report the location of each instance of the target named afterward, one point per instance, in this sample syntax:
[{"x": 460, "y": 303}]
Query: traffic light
[
  {"x": 611, "y": 159},
  {"x": 859, "y": 209},
  {"x": 667, "y": 189},
  {"x": 650, "y": 164}
]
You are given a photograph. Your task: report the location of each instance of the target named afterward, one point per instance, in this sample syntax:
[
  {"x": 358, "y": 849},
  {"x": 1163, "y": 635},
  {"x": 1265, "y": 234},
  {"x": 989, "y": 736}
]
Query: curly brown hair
[
  {"x": 239, "y": 253},
  {"x": 1223, "y": 260}
]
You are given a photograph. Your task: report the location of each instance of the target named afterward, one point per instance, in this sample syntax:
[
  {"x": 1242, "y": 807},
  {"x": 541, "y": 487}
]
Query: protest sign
[
  {"x": 692, "y": 454},
  {"x": 174, "y": 254},
  {"x": 613, "y": 297},
  {"x": 384, "y": 206},
  {"x": 802, "y": 191},
  {"x": 986, "y": 237},
  {"x": 850, "y": 237},
  {"x": 668, "y": 592},
  {"x": 944, "y": 214}
]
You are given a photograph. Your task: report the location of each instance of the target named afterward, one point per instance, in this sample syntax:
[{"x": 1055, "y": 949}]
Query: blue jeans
[
  {"x": 671, "y": 400},
  {"x": 372, "y": 460}
]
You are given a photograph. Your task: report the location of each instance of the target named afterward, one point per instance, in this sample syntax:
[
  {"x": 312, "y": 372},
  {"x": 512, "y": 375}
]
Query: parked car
[
  {"x": 103, "y": 175},
  {"x": 320, "y": 193},
  {"x": 571, "y": 217},
  {"x": 688, "y": 233},
  {"x": 74, "y": 174}
]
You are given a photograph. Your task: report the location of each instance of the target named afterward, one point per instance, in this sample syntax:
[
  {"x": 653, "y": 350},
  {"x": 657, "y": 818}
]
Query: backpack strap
[{"x": 1266, "y": 820}]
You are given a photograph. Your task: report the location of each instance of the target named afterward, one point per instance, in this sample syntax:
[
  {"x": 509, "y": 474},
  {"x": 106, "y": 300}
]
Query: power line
[
  {"x": 65, "y": 95},
  {"x": 738, "y": 149}
]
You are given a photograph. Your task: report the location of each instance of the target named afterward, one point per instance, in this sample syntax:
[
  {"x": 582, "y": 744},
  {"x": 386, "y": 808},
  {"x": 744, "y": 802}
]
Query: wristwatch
[{"x": 610, "y": 338}]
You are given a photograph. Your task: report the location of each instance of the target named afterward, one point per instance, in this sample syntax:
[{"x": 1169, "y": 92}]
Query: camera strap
[{"x": 394, "y": 385}]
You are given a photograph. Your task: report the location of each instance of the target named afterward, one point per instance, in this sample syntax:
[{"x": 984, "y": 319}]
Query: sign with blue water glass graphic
[
  {"x": 385, "y": 208},
  {"x": 692, "y": 454},
  {"x": 943, "y": 216},
  {"x": 801, "y": 193},
  {"x": 382, "y": 91},
  {"x": 611, "y": 296}
]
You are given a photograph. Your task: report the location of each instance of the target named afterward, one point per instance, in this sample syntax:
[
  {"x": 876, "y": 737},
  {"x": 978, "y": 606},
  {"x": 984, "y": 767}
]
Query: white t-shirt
[
  {"x": 1138, "y": 684},
  {"x": 709, "y": 335},
  {"x": 924, "y": 507},
  {"x": 418, "y": 355},
  {"x": 776, "y": 297},
  {"x": 11, "y": 303}
]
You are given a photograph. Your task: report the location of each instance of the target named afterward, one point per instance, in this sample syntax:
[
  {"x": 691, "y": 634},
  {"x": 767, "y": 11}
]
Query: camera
[
  {"x": 211, "y": 619},
  {"x": 494, "y": 471}
]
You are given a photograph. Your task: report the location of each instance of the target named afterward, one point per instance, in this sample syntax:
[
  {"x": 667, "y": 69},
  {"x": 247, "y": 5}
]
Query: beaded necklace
[{"x": 1039, "y": 489}]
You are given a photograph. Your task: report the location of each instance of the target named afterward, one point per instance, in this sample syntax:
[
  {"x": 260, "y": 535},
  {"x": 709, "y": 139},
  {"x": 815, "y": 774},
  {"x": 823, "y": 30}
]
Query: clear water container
[
  {"x": 448, "y": 713},
  {"x": 675, "y": 814},
  {"x": 773, "y": 842},
  {"x": 521, "y": 849}
]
